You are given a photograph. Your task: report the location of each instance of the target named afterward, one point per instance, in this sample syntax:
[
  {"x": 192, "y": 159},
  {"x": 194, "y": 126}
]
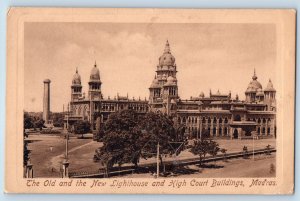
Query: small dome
[
  {"x": 269, "y": 86},
  {"x": 76, "y": 78},
  {"x": 201, "y": 94},
  {"x": 155, "y": 83},
  {"x": 171, "y": 81},
  {"x": 164, "y": 77},
  {"x": 167, "y": 59},
  {"x": 47, "y": 81},
  {"x": 95, "y": 74},
  {"x": 173, "y": 101}
]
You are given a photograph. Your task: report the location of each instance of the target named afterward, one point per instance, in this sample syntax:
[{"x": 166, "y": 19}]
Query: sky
[{"x": 208, "y": 56}]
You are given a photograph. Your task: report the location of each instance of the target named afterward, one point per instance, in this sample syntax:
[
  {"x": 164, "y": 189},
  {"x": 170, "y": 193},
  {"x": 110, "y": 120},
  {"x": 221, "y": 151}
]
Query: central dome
[
  {"x": 254, "y": 85},
  {"x": 95, "y": 74},
  {"x": 167, "y": 59},
  {"x": 76, "y": 78}
]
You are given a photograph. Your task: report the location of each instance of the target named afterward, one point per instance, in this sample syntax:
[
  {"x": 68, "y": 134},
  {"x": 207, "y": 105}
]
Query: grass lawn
[
  {"x": 43, "y": 156},
  {"x": 48, "y": 153}
]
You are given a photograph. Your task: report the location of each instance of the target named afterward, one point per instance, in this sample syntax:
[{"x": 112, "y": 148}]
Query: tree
[
  {"x": 28, "y": 121},
  {"x": 120, "y": 137},
  {"x": 82, "y": 127},
  {"x": 26, "y": 152},
  {"x": 224, "y": 151},
  {"x": 158, "y": 128},
  {"x": 38, "y": 123},
  {"x": 58, "y": 119},
  {"x": 203, "y": 147}
]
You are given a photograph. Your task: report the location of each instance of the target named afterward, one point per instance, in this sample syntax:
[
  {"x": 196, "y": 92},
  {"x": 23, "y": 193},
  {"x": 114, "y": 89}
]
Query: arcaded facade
[{"x": 217, "y": 114}]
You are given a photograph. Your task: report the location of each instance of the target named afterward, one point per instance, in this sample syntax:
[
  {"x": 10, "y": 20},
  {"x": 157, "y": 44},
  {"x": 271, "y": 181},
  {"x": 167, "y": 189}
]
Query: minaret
[
  {"x": 164, "y": 89},
  {"x": 270, "y": 96},
  {"x": 95, "y": 84},
  {"x": 95, "y": 94},
  {"x": 46, "y": 101},
  {"x": 76, "y": 87}
]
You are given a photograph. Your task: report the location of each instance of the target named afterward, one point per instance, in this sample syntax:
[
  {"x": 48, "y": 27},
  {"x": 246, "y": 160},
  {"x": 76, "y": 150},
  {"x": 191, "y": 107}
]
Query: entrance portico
[{"x": 242, "y": 129}]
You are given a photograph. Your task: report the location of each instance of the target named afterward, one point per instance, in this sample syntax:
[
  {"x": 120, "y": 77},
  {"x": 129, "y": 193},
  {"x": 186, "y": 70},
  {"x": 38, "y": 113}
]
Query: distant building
[{"x": 218, "y": 114}]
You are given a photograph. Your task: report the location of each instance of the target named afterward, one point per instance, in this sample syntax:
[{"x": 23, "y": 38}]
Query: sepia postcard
[{"x": 150, "y": 101}]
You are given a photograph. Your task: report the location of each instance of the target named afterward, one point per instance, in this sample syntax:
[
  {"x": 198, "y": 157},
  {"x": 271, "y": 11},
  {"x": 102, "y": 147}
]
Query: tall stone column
[{"x": 46, "y": 101}]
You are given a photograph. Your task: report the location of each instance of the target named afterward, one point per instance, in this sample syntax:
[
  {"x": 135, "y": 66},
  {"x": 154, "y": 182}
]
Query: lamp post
[
  {"x": 66, "y": 163},
  {"x": 157, "y": 161}
]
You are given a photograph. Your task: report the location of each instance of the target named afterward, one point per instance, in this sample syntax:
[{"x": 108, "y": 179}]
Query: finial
[
  {"x": 254, "y": 77},
  {"x": 95, "y": 64},
  {"x": 76, "y": 69},
  {"x": 167, "y": 47},
  {"x": 237, "y": 97}
]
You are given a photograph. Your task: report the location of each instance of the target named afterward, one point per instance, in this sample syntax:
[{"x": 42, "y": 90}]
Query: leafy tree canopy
[{"x": 82, "y": 127}]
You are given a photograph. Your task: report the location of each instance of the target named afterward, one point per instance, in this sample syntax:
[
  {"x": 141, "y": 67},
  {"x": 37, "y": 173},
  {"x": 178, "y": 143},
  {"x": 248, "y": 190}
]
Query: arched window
[
  {"x": 226, "y": 120},
  {"x": 215, "y": 120},
  {"x": 269, "y": 131},
  {"x": 209, "y": 120},
  {"x": 259, "y": 120},
  {"x": 225, "y": 131},
  {"x": 184, "y": 120},
  {"x": 203, "y": 120},
  {"x": 214, "y": 131},
  {"x": 220, "y": 120},
  {"x": 264, "y": 120}
]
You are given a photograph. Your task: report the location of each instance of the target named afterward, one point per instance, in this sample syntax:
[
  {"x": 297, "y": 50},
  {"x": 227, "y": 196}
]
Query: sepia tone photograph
[{"x": 185, "y": 104}]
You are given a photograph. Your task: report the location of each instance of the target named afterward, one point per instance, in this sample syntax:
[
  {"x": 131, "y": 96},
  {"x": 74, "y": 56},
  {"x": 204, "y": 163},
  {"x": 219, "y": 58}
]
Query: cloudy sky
[{"x": 208, "y": 56}]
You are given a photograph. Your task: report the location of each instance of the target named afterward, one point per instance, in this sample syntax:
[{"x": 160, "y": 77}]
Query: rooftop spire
[
  {"x": 76, "y": 69},
  {"x": 95, "y": 65},
  {"x": 254, "y": 77},
  {"x": 167, "y": 47}
]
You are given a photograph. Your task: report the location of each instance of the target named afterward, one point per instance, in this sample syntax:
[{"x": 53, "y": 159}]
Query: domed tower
[
  {"x": 164, "y": 89},
  {"x": 76, "y": 87},
  {"x": 270, "y": 94},
  {"x": 170, "y": 94},
  {"x": 155, "y": 90},
  {"x": 95, "y": 84},
  {"x": 252, "y": 89}
]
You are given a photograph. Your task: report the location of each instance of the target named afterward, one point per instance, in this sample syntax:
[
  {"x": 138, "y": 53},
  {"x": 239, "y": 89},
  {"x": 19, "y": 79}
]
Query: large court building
[{"x": 218, "y": 114}]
